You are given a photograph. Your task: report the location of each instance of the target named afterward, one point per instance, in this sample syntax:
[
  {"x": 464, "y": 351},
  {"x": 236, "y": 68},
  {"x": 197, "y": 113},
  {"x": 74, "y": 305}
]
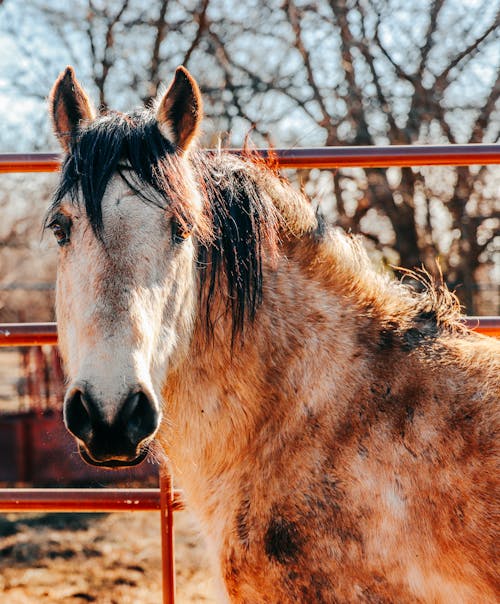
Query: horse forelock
[{"x": 130, "y": 145}]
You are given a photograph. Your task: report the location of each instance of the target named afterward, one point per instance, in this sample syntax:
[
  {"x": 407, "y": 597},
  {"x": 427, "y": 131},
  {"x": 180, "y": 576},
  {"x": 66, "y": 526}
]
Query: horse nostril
[
  {"x": 139, "y": 417},
  {"x": 77, "y": 416}
]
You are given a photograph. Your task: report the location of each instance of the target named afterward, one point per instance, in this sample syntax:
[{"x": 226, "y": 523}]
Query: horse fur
[{"x": 334, "y": 430}]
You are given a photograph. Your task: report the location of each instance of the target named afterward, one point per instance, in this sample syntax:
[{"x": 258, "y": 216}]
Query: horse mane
[
  {"x": 242, "y": 225},
  {"x": 420, "y": 303},
  {"x": 270, "y": 214},
  {"x": 248, "y": 213},
  {"x": 251, "y": 211}
]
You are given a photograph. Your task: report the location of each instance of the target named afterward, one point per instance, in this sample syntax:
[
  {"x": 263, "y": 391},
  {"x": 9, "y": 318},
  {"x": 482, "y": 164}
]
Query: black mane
[
  {"x": 240, "y": 218},
  {"x": 243, "y": 230}
]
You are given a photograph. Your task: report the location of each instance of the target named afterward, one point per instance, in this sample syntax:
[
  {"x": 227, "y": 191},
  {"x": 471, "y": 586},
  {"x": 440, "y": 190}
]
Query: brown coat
[{"x": 346, "y": 451}]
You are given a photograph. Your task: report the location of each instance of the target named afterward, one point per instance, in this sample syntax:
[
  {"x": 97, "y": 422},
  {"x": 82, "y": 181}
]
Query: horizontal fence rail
[
  {"x": 85, "y": 500},
  {"x": 315, "y": 157},
  {"x": 28, "y": 334},
  {"x": 38, "y": 334}
]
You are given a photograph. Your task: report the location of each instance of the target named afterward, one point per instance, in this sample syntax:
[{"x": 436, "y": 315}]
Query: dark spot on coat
[
  {"x": 81, "y": 595},
  {"x": 462, "y": 418},
  {"x": 308, "y": 412},
  {"x": 362, "y": 451},
  {"x": 316, "y": 318},
  {"x": 457, "y": 517},
  {"x": 345, "y": 433},
  {"x": 242, "y": 526},
  {"x": 410, "y": 413},
  {"x": 428, "y": 317},
  {"x": 412, "y": 338},
  {"x": 371, "y": 597},
  {"x": 330, "y": 487},
  {"x": 349, "y": 534},
  {"x": 318, "y": 589},
  {"x": 312, "y": 422},
  {"x": 386, "y": 339},
  {"x": 426, "y": 328},
  {"x": 322, "y": 497},
  {"x": 282, "y": 540},
  {"x": 381, "y": 390}
]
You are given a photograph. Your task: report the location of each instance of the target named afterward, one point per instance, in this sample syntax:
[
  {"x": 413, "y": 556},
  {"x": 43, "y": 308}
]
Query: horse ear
[
  {"x": 180, "y": 110},
  {"x": 69, "y": 105}
]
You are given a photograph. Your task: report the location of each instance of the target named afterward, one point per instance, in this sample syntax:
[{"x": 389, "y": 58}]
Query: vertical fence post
[{"x": 167, "y": 536}]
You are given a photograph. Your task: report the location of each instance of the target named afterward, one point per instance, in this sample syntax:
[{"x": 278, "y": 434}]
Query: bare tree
[
  {"x": 27, "y": 262},
  {"x": 368, "y": 72},
  {"x": 295, "y": 72},
  {"x": 122, "y": 49}
]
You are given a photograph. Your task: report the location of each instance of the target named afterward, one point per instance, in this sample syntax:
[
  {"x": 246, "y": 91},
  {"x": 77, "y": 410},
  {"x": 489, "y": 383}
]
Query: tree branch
[
  {"x": 435, "y": 9},
  {"x": 201, "y": 18},
  {"x": 486, "y": 112},
  {"x": 395, "y": 132},
  {"x": 294, "y": 20},
  {"x": 442, "y": 79},
  {"x": 354, "y": 98},
  {"x": 397, "y": 68}
]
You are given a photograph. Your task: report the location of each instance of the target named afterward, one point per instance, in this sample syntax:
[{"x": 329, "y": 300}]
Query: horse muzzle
[{"x": 111, "y": 441}]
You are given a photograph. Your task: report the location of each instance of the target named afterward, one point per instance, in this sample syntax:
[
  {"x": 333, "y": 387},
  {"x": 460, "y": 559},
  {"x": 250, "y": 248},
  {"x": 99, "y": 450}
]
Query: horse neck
[{"x": 303, "y": 342}]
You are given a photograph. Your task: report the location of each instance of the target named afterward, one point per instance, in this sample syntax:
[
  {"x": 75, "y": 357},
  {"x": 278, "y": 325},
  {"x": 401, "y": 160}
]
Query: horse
[{"x": 332, "y": 427}]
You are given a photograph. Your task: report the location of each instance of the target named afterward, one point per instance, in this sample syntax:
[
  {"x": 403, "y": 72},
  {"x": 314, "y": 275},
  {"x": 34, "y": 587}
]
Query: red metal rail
[
  {"x": 165, "y": 500},
  {"x": 319, "y": 157},
  {"x": 28, "y": 334},
  {"x": 37, "y": 334},
  {"x": 85, "y": 500},
  {"x": 489, "y": 326}
]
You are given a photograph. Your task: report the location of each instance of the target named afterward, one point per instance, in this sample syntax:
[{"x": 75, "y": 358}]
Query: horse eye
[
  {"x": 60, "y": 226},
  {"x": 180, "y": 232}
]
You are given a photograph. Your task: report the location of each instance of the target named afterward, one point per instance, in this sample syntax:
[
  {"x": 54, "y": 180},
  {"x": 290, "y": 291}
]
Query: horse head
[{"x": 125, "y": 217}]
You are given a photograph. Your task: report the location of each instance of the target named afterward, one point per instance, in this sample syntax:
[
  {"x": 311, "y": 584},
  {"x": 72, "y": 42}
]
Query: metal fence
[{"x": 165, "y": 499}]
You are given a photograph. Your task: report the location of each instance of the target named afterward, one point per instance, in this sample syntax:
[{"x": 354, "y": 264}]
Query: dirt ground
[{"x": 102, "y": 558}]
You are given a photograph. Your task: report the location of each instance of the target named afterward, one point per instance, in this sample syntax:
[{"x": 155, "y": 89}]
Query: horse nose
[{"x": 119, "y": 437}]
